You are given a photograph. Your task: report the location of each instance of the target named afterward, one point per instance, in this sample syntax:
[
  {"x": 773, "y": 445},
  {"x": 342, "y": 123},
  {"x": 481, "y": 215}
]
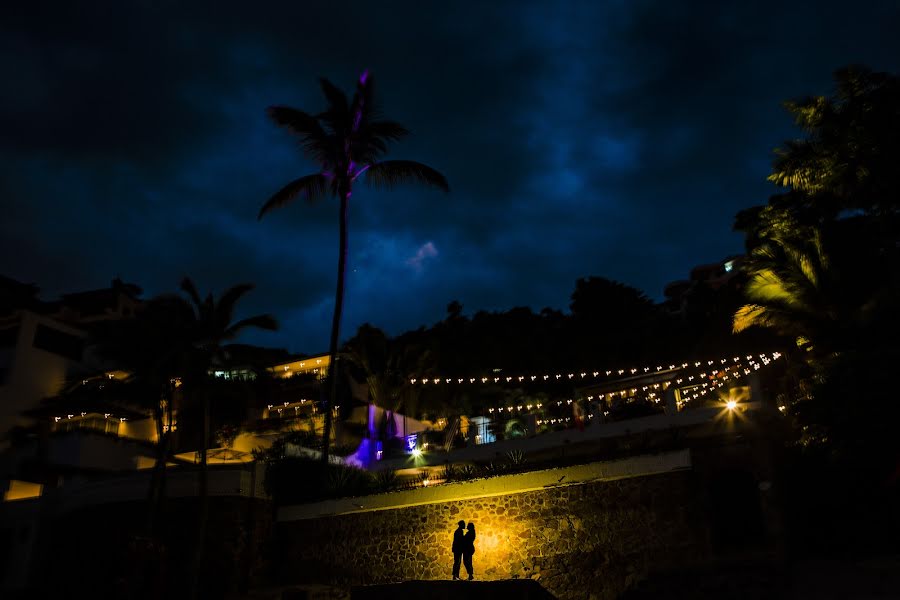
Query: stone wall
[{"x": 586, "y": 540}]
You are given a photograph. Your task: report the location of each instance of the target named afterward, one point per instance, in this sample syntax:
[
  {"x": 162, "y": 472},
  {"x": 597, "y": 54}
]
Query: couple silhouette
[{"x": 463, "y": 548}]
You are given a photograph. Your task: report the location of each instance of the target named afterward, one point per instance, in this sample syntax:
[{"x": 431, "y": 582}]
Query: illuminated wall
[
  {"x": 21, "y": 490},
  {"x": 315, "y": 365},
  {"x": 590, "y": 538},
  {"x": 32, "y": 373}
]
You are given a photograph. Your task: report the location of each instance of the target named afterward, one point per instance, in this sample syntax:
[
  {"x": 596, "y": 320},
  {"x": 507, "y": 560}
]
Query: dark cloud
[{"x": 615, "y": 139}]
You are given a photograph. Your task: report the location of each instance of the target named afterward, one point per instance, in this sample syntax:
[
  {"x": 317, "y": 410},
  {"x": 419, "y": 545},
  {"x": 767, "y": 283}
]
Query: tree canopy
[{"x": 824, "y": 260}]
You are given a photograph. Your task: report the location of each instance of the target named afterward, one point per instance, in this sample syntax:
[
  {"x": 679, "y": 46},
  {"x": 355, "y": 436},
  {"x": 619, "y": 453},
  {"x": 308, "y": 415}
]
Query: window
[{"x": 58, "y": 342}]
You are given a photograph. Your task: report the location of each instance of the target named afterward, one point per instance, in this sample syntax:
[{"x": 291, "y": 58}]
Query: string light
[
  {"x": 719, "y": 378},
  {"x": 765, "y": 359},
  {"x": 727, "y": 373}
]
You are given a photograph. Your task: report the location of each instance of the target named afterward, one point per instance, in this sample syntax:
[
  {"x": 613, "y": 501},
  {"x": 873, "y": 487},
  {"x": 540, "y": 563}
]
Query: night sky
[{"x": 615, "y": 139}]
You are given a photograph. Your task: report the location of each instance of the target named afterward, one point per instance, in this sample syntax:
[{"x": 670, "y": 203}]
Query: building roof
[{"x": 16, "y": 295}]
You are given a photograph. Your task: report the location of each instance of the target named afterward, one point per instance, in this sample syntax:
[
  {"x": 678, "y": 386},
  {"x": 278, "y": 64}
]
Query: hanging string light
[
  {"x": 659, "y": 369},
  {"x": 717, "y": 378}
]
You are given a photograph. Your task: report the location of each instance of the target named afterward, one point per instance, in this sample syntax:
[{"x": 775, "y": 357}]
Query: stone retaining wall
[{"x": 586, "y": 540}]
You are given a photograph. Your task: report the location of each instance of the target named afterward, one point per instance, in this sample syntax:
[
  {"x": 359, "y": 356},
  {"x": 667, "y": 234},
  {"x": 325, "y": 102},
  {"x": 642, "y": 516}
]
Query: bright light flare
[
  {"x": 416, "y": 453},
  {"x": 731, "y": 404}
]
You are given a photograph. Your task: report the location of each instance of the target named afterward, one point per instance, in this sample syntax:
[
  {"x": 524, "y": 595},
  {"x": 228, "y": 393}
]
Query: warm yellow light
[
  {"x": 22, "y": 490},
  {"x": 731, "y": 404}
]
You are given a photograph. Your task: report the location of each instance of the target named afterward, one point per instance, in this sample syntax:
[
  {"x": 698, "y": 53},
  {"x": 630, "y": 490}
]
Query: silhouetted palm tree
[
  {"x": 347, "y": 141},
  {"x": 211, "y": 326}
]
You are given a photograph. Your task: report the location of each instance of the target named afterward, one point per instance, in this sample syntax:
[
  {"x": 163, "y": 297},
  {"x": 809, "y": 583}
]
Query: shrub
[
  {"x": 516, "y": 458},
  {"x": 384, "y": 481},
  {"x": 347, "y": 481},
  {"x": 493, "y": 469},
  {"x": 295, "y": 480},
  {"x": 466, "y": 472},
  {"x": 450, "y": 473}
]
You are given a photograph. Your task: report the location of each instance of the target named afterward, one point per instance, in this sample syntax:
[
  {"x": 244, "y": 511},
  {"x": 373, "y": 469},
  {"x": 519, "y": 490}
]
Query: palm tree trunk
[
  {"x": 157, "y": 490},
  {"x": 204, "y": 503},
  {"x": 331, "y": 383},
  {"x": 167, "y": 447},
  {"x": 153, "y": 491},
  {"x": 156, "y": 495}
]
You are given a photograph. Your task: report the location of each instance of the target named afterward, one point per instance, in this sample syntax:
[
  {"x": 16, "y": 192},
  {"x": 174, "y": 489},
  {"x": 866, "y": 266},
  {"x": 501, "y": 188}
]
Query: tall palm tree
[
  {"x": 347, "y": 141},
  {"x": 211, "y": 326}
]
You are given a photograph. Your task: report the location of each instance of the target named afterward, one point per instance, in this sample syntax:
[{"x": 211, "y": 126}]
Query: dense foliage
[
  {"x": 609, "y": 325},
  {"x": 824, "y": 265},
  {"x": 824, "y": 273}
]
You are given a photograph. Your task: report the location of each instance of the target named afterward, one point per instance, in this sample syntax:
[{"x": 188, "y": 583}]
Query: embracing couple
[{"x": 463, "y": 548}]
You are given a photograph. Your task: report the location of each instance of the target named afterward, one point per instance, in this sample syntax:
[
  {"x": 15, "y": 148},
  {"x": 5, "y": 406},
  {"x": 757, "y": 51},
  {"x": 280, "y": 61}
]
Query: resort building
[{"x": 42, "y": 344}]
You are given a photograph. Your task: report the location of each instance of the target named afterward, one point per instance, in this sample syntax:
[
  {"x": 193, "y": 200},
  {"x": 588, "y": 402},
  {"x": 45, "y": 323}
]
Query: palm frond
[
  {"x": 230, "y": 297},
  {"x": 267, "y": 322},
  {"x": 389, "y": 173},
  {"x": 748, "y": 316},
  {"x": 311, "y": 187},
  {"x": 337, "y": 115},
  {"x": 387, "y": 130},
  {"x": 371, "y": 141},
  {"x": 315, "y": 141},
  {"x": 808, "y": 269},
  {"x": 187, "y": 286},
  {"x": 296, "y": 121},
  {"x": 367, "y": 149},
  {"x": 767, "y": 286},
  {"x": 335, "y": 95}
]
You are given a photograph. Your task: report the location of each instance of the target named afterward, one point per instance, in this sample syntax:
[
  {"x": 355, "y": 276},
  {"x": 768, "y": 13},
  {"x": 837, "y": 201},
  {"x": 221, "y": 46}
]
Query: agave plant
[
  {"x": 516, "y": 458},
  {"x": 466, "y": 472},
  {"x": 385, "y": 480},
  {"x": 450, "y": 472},
  {"x": 493, "y": 469}
]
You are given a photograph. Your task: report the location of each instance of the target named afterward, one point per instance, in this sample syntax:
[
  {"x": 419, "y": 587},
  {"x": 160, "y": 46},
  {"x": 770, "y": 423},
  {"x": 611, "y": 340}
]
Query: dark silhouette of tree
[
  {"x": 347, "y": 141},
  {"x": 823, "y": 271},
  {"x": 792, "y": 289},
  {"x": 844, "y": 166},
  {"x": 211, "y": 326},
  {"x": 613, "y": 321},
  {"x": 370, "y": 351},
  {"x": 848, "y": 159},
  {"x": 154, "y": 348}
]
